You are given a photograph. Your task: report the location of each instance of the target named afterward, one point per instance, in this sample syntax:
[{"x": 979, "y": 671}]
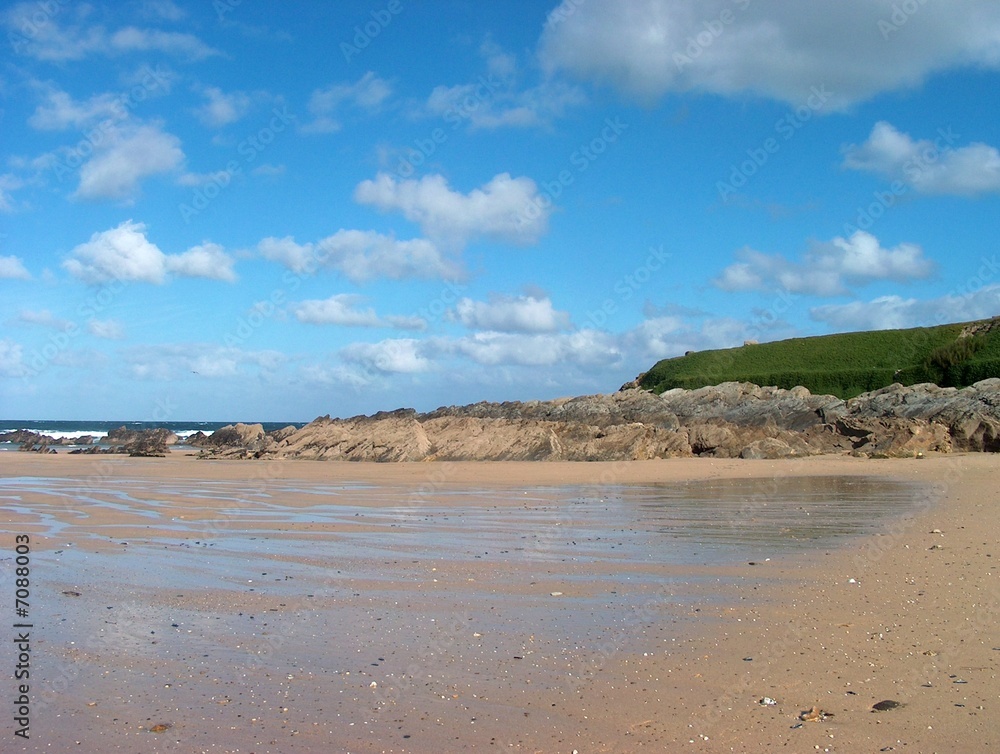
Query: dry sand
[{"x": 212, "y": 601}]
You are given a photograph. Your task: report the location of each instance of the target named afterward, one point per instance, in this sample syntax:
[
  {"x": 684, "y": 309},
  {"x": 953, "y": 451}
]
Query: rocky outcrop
[
  {"x": 732, "y": 420},
  {"x": 125, "y": 436}
]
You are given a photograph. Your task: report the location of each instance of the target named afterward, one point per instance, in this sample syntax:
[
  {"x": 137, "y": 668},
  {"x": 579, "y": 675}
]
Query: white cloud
[
  {"x": 109, "y": 329},
  {"x": 268, "y": 169},
  {"x": 299, "y": 258},
  {"x": 827, "y": 268},
  {"x": 186, "y": 46},
  {"x": 164, "y": 10},
  {"x": 361, "y": 256},
  {"x": 63, "y": 34},
  {"x": 122, "y": 253},
  {"x": 495, "y": 101},
  {"x": 219, "y": 178},
  {"x": 60, "y": 111},
  {"x": 43, "y": 318},
  {"x": 397, "y": 355},
  {"x": 208, "y": 260},
  {"x": 11, "y": 358},
  {"x": 894, "y": 312},
  {"x": 8, "y": 183},
  {"x": 486, "y": 105},
  {"x": 125, "y": 254},
  {"x": 589, "y": 348},
  {"x": 342, "y": 310},
  {"x": 131, "y": 155},
  {"x": 221, "y": 109},
  {"x": 12, "y": 268},
  {"x": 526, "y": 314},
  {"x": 856, "y": 48},
  {"x": 505, "y": 209},
  {"x": 930, "y": 166},
  {"x": 173, "y": 361},
  {"x": 368, "y": 93}
]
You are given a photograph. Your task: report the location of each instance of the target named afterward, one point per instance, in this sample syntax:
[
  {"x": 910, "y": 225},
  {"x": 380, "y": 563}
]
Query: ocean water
[{"x": 62, "y": 429}]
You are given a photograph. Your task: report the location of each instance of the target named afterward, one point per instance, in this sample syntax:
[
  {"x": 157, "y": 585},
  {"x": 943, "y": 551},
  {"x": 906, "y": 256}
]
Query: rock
[
  {"x": 125, "y": 436},
  {"x": 768, "y": 447},
  {"x": 814, "y": 715},
  {"x": 150, "y": 444},
  {"x": 886, "y": 704},
  {"x": 735, "y": 419},
  {"x": 235, "y": 435},
  {"x": 284, "y": 433},
  {"x": 705, "y": 438}
]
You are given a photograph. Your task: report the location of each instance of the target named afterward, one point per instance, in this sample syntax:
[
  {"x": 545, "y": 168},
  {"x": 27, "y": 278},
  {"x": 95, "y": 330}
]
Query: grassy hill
[{"x": 846, "y": 364}]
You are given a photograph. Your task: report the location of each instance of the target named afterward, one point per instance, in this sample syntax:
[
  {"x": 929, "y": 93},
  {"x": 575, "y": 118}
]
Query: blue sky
[{"x": 263, "y": 211}]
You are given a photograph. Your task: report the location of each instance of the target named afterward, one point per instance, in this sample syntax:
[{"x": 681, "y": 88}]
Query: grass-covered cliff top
[{"x": 847, "y": 364}]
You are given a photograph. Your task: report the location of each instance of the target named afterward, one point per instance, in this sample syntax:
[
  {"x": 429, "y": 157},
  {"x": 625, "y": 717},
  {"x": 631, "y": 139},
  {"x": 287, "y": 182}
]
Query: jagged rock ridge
[{"x": 734, "y": 419}]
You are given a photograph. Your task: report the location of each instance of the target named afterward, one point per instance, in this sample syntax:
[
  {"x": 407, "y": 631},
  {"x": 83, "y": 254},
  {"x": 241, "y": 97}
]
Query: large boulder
[{"x": 237, "y": 435}]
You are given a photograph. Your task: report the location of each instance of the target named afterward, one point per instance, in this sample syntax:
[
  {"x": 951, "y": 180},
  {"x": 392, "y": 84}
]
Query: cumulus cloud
[
  {"x": 895, "y": 312},
  {"x": 361, "y": 256},
  {"x": 827, "y": 268},
  {"x": 343, "y": 310},
  {"x": 221, "y": 109},
  {"x": 208, "y": 260},
  {"x": 12, "y": 268},
  {"x": 368, "y": 93},
  {"x": 505, "y": 209},
  {"x": 588, "y": 348},
  {"x": 125, "y": 254},
  {"x": 392, "y": 356},
  {"x": 930, "y": 166},
  {"x": 526, "y": 314},
  {"x": 130, "y": 155},
  {"x": 856, "y": 48}
]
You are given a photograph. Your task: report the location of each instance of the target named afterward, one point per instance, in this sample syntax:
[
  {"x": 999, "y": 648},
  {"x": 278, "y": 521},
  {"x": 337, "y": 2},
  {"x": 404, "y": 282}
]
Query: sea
[{"x": 72, "y": 430}]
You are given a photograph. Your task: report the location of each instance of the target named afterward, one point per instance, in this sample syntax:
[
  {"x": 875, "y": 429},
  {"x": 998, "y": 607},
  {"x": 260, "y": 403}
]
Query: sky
[{"x": 244, "y": 210}]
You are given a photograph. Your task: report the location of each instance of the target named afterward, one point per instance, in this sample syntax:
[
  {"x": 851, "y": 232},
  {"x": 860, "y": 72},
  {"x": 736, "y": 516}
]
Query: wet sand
[{"x": 549, "y": 607}]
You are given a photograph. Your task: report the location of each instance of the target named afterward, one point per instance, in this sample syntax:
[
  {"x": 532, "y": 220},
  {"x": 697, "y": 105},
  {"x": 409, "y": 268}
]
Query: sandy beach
[{"x": 289, "y": 606}]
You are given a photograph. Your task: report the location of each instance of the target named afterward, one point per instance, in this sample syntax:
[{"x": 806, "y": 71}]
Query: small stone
[
  {"x": 767, "y": 701},
  {"x": 160, "y": 727},
  {"x": 814, "y": 715},
  {"x": 373, "y": 685},
  {"x": 885, "y": 705},
  {"x": 556, "y": 594}
]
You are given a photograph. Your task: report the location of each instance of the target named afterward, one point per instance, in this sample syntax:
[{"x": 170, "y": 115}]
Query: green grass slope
[{"x": 843, "y": 365}]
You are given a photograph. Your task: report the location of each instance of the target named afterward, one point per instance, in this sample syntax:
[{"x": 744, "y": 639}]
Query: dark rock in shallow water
[
  {"x": 124, "y": 436},
  {"x": 25, "y": 436}
]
